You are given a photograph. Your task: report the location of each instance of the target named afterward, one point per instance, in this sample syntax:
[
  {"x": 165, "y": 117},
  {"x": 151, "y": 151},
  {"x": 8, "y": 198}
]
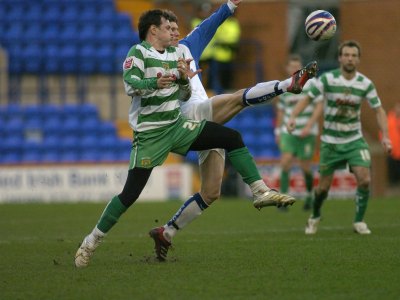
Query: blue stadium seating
[{"x": 57, "y": 36}]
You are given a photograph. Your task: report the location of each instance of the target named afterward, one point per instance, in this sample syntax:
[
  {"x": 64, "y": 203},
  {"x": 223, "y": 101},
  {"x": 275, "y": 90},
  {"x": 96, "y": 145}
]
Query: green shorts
[
  {"x": 338, "y": 156},
  {"x": 302, "y": 148},
  {"x": 151, "y": 148}
]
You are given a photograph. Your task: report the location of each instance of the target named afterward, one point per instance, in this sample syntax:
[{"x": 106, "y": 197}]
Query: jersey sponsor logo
[{"x": 128, "y": 63}]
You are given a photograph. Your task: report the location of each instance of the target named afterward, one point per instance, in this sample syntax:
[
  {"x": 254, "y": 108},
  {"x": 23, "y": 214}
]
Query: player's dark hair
[
  {"x": 149, "y": 18},
  {"x": 171, "y": 16},
  {"x": 350, "y": 43}
]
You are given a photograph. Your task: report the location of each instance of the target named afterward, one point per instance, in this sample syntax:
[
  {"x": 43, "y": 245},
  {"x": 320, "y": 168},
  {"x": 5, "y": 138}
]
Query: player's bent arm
[
  {"x": 300, "y": 106},
  {"x": 381, "y": 119}
]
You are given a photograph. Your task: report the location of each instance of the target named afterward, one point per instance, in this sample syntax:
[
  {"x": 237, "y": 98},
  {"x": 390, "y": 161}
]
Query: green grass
[{"x": 232, "y": 251}]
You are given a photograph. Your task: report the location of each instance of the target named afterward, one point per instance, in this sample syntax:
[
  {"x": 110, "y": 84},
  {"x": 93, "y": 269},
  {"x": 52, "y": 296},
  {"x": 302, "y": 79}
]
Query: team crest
[
  {"x": 145, "y": 162},
  {"x": 128, "y": 63},
  {"x": 165, "y": 66}
]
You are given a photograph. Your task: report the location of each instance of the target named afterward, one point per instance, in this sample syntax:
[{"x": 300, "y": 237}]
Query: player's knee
[
  {"x": 127, "y": 198},
  {"x": 236, "y": 139},
  {"x": 364, "y": 183}
]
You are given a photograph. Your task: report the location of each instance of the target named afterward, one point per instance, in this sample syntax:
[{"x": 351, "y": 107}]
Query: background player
[
  {"x": 300, "y": 143},
  {"x": 342, "y": 142}
]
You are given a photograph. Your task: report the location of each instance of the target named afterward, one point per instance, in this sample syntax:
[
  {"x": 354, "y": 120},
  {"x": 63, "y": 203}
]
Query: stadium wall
[{"x": 80, "y": 182}]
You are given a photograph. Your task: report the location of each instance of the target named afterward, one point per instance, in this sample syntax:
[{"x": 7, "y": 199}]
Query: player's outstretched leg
[
  {"x": 264, "y": 92},
  {"x": 300, "y": 77}
]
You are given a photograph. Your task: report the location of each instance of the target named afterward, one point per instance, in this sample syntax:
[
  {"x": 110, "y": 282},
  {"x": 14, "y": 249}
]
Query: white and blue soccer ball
[{"x": 320, "y": 25}]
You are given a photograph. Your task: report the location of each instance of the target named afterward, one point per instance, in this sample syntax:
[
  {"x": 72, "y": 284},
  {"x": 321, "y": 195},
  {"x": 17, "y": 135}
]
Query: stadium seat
[
  {"x": 52, "y": 12},
  {"x": 14, "y": 127},
  {"x": 90, "y": 125},
  {"x": 13, "y": 112},
  {"x": 12, "y": 143},
  {"x": 88, "y": 142},
  {"x": 50, "y": 156},
  {"x": 88, "y": 110},
  {"x": 10, "y": 158},
  {"x": 89, "y": 155},
  {"x": 69, "y": 143},
  {"x": 107, "y": 128},
  {"x": 69, "y": 156},
  {"x": 33, "y": 33},
  {"x": 52, "y": 143},
  {"x": 52, "y": 125},
  {"x": 51, "y": 32},
  {"x": 68, "y": 57},
  {"x": 69, "y": 32},
  {"x": 33, "y": 58},
  {"x": 87, "y": 61},
  {"x": 71, "y": 125}
]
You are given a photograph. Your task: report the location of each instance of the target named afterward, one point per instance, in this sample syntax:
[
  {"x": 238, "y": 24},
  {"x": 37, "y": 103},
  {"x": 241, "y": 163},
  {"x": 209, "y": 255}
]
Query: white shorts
[{"x": 200, "y": 110}]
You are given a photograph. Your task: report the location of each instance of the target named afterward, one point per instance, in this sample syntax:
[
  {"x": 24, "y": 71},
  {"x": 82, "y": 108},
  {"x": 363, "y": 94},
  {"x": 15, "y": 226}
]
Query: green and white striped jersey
[
  {"x": 151, "y": 107},
  {"x": 342, "y": 107},
  {"x": 288, "y": 101}
]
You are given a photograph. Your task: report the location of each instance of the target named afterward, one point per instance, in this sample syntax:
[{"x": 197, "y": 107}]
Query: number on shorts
[
  {"x": 365, "y": 155},
  {"x": 190, "y": 125}
]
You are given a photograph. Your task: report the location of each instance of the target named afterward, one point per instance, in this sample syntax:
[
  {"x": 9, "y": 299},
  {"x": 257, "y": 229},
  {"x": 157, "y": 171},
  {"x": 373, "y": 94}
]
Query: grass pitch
[{"x": 232, "y": 251}]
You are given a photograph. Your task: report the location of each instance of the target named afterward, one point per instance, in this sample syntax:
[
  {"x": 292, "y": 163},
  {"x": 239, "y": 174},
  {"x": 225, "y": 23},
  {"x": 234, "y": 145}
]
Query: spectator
[{"x": 394, "y": 136}]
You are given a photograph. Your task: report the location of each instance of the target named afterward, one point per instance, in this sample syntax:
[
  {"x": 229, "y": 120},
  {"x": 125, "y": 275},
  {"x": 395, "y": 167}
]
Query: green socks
[
  {"x": 111, "y": 214},
  {"x": 284, "y": 182},
  {"x": 318, "y": 200},
  {"x": 362, "y": 197},
  {"x": 244, "y": 164},
  {"x": 309, "y": 179}
]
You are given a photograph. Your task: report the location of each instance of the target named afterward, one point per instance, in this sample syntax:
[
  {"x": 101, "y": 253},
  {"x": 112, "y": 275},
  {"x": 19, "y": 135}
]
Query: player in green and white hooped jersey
[
  {"x": 342, "y": 142},
  {"x": 155, "y": 75},
  {"x": 300, "y": 143}
]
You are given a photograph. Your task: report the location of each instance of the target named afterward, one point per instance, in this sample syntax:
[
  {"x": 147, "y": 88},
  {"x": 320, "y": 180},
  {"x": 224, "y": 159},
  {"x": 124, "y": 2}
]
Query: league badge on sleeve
[{"x": 128, "y": 63}]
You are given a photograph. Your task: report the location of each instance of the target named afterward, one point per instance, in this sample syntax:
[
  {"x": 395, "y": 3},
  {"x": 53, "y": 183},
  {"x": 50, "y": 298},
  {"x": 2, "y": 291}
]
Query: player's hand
[
  {"x": 183, "y": 68},
  {"x": 236, "y": 2},
  {"x": 387, "y": 145},
  {"x": 291, "y": 125},
  {"x": 305, "y": 131},
  {"x": 165, "y": 81},
  {"x": 190, "y": 73}
]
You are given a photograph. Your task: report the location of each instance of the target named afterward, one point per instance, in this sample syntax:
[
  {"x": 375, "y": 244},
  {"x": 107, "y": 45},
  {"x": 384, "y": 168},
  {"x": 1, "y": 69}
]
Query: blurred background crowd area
[{"x": 61, "y": 92}]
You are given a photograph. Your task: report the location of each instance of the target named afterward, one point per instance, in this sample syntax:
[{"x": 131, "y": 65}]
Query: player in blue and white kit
[{"x": 219, "y": 109}]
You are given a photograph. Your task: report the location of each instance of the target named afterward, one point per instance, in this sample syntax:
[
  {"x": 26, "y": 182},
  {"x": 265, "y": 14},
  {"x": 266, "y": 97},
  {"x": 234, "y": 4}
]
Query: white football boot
[
  {"x": 86, "y": 250},
  {"x": 361, "y": 228},
  {"x": 272, "y": 198},
  {"x": 312, "y": 225}
]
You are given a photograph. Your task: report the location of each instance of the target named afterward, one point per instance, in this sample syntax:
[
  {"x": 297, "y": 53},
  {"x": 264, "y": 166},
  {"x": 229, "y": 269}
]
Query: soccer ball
[{"x": 320, "y": 25}]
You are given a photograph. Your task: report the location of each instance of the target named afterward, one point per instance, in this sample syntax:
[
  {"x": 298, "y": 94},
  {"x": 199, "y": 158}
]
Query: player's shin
[
  {"x": 262, "y": 93},
  {"x": 362, "y": 197},
  {"x": 190, "y": 210},
  {"x": 319, "y": 198},
  {"x": 111, "y": 214}
]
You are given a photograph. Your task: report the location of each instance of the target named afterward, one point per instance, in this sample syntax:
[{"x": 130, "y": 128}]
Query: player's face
[
  {"x": 175, "y": 34},
  {"x": 349, "y": 59},
  {"x": 164, "y": 33},
  {"x": 293, "y": 66}
]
